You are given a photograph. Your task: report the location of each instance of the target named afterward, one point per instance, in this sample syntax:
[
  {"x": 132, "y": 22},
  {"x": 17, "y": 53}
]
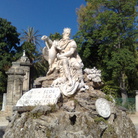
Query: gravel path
[{"x": 134, "y": 118}]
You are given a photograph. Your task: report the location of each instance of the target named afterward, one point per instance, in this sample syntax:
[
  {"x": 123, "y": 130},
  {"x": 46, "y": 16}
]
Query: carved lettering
[{"x": 39, "y": 96}]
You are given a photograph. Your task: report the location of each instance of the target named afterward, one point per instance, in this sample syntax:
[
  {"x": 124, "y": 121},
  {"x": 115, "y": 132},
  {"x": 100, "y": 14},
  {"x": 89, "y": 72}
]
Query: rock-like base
[{"x": 74, "y": 117}]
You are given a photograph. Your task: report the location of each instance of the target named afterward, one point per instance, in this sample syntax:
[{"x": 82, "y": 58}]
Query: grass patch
[{"x": 100, "y": 119}]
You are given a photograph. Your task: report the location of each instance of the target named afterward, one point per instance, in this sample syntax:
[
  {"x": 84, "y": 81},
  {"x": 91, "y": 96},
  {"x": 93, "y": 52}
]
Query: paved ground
[
  {"x": 134, "y": 118},
  {"x": 4, "y": 123}
]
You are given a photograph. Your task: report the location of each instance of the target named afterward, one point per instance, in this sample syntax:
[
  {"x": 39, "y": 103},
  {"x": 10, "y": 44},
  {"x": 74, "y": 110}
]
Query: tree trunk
[{"x": 123, "y": 88}]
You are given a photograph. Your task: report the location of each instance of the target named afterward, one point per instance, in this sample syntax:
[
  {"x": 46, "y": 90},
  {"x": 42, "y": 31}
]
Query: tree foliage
[
  {"x": 9, "y": 42},
  {"x": 107, "y": 35},
  {"x": 31, "y": 36},
  {"x": 31, "y": 40},
  {"x": 55, "y": 36}
]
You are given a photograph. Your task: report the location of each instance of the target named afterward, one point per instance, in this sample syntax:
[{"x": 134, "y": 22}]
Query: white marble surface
[
  {"x": 62, "y": 55},
  {"x": 103, "y": 107},
  {"x": 93, "y": 74},
  {"x": 40, "y": 96}
]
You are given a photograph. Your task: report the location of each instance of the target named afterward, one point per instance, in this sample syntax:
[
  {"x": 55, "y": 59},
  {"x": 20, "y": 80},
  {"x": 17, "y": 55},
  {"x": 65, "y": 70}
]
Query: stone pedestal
[{"x": 136, "y": 99}]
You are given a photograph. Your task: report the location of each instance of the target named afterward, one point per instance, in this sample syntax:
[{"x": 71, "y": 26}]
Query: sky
[{"x": 46, "y": 16}]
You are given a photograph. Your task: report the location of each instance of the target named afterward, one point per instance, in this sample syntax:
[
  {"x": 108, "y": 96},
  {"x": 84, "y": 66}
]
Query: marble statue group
[
  {"x": 65, "y": 66},
  {"x": 63, "y": 57},
  {"x": 65, "y": 74}
]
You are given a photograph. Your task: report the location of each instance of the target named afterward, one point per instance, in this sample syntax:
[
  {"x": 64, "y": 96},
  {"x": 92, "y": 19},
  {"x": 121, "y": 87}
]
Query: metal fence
[{"x": 130, "y": 104}]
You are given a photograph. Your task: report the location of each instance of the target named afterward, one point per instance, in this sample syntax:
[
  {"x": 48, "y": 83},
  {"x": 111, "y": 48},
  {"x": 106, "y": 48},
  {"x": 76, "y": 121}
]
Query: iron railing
[{"x": 130, "y": 104}]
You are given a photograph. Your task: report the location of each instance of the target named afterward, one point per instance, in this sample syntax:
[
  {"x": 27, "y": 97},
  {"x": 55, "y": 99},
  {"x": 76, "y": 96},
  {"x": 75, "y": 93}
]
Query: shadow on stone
[{"x": 2, "y": 131}]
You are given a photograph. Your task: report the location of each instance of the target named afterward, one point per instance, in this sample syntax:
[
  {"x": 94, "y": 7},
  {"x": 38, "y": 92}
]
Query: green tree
[
  {"x": 31, "y": 40},
  {"x": 9, "y": 42},
  {"x": 31, "y": 36},
  {"x": 107, "y": 34},
  {"x": 55, "y": 36}
]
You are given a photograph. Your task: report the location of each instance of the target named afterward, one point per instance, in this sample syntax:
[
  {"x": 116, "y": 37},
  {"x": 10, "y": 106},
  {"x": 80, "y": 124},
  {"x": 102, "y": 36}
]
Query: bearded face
[{"x": 66, "y": 33}]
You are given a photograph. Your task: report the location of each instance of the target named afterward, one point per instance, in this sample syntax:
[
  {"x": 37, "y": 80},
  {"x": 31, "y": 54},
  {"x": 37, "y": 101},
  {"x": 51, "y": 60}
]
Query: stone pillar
[
  {"x": 25, "y": 65},
  {"x": 14, "y": 84},
  {"x": 26, "y": 80},
  {"x": 17, "y": 83},
  {"x": 136, "y": 101}
]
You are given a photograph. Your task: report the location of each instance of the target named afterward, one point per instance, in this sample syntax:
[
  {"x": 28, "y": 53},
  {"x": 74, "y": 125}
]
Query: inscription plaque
[{"x": 40, "y": 96}]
